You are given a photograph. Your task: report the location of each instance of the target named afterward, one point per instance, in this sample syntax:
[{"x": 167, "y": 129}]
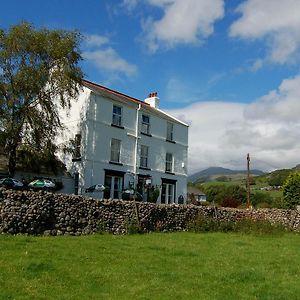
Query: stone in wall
[{"x": 46, "y": 213}]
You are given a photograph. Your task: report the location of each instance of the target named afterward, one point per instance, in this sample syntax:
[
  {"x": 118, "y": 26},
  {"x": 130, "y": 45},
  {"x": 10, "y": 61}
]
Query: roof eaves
[{"x": 88, "y": 83}]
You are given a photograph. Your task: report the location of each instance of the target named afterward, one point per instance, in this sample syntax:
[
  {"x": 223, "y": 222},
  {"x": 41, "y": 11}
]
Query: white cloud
[
  {"x": 96, "y": 40},
  {"x": 109, "y": 60},
  {"x": 280, "y": 106},
  {"x": 99, "y": 52},
  {"x": 222, "y": 133},
  {"x": 278, "y": 21},
  {"x": 183, "y": 22}
]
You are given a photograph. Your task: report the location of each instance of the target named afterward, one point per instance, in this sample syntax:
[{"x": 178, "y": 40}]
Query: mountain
[{"x": 213, "y": 172}]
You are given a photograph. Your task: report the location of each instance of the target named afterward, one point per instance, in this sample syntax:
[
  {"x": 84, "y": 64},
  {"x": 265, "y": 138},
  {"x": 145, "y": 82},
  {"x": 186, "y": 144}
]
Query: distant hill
[{"x": 213, "y": 172}]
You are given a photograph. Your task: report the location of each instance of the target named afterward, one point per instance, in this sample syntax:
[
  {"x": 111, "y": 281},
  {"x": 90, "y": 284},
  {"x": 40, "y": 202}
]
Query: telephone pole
[{"x": 248, "y": 181}]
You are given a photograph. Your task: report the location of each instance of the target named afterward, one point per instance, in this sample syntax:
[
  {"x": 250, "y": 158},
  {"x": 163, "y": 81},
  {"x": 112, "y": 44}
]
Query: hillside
[{"x": 214, "y": 172}]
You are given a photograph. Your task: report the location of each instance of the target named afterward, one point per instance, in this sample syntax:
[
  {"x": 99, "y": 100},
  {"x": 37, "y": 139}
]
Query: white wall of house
[{"x": 92, "y": 114}]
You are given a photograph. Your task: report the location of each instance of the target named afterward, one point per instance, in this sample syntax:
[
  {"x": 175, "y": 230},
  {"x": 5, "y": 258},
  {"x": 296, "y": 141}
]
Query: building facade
[{"x": 124, "y": 143}]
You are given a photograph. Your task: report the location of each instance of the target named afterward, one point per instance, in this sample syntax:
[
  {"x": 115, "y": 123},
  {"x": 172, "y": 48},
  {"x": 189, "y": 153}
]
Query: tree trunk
[{"x": 12, "y": 159}]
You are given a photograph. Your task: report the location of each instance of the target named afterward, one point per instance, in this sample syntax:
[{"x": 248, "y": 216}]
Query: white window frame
[
  {"x": 117, "y": 115},
  {"x": 144, "y": 156},
  {"x": 170, "y": 131},
  {"x": 115, "y": 150},
  {"x": 145, "y": 128},
  {"x": 169, "y": 162}
]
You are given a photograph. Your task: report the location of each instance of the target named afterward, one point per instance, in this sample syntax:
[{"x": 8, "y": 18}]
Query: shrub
[
  {"x": 153, "y": 194},
  {"x": 259, "y": 197},
  {"x": 221, "y": 194},
  {"x": 209, "y": 224},
  {"x": 230, "y": 202},
  {"x": 291, "y": 190},
  {"x": 133, "y": 227},
  {"x": 248, "y": 226}
]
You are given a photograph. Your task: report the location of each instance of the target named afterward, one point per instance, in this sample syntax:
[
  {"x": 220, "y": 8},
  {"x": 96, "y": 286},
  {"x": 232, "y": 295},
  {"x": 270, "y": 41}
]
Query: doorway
[
  {"x": 114, "y": 182},
  {"x": 168, "y": 191}
]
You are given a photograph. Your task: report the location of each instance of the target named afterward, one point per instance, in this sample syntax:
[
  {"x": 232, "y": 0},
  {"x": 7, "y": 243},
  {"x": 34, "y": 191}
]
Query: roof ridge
[{"x": 114, "y": 91}]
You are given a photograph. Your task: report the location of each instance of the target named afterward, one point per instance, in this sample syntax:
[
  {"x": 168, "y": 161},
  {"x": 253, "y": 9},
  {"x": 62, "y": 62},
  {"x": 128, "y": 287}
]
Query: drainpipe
[{"x": 136, "y": 145}]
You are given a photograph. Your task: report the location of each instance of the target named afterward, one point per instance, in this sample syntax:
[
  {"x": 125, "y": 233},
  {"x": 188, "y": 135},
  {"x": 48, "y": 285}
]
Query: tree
[
  {"x": 39, "y": 74},
  {"x": 277, "y": 178},
  {"x": 291, "y": 190}
]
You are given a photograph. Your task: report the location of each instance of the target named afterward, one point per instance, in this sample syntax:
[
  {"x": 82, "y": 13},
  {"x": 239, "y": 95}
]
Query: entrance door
[
  {"x": 168, "y": 193},
  {"x": 114, "y": 187}
]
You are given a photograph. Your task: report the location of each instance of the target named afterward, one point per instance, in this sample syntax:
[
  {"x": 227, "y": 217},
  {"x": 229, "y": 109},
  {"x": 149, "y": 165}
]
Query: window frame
[
  {"x": 144, "y": 156},
  {"x": 115, "y": 150},
  {"x": 169, "y": 165},
  {"x": 170, "y": 132},
  {"x": 145, "y": 125},
  {"x": 117, "y": 116}
]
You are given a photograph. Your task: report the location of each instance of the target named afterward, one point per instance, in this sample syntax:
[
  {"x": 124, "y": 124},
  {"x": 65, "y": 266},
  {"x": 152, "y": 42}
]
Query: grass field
[{"x": 150, "y": 266}]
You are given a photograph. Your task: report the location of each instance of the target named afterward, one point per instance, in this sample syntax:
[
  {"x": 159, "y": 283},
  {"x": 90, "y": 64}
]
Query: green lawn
[{"x": 151, "y": 266}]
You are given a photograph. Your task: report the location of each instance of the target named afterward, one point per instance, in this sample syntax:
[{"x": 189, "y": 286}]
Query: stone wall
[{"x": 30, "y": 212}]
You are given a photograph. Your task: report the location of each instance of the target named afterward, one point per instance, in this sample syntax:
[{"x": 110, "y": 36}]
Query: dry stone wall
[{"x": 28, "y": 212}]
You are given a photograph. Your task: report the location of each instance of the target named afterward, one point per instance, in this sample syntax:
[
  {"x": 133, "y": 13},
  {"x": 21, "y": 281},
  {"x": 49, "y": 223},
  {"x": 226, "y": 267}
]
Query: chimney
[{"x": 152, "y": 100}]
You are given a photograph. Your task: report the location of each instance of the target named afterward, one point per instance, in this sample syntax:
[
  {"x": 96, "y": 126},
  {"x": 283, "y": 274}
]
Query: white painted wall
[{"x": 94, "y": 112}]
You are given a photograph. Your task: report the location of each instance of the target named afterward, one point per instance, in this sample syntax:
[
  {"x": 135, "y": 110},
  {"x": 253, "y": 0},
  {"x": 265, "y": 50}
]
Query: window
[
  {"x": 144, "y": 156},
  {"x": 169, "y": 162},
  {"x": 117, "y": 116},
  {"x": 115, "y": 149},
  {"x": 77, "y": 143},
  {"x": 145, "y": 124},
  {"x": 169, "y": 131}
]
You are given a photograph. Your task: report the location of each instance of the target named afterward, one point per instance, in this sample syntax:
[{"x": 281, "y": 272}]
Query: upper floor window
[
  {"x": 170, "y": 132},
  {"x": 144, "y": 156},
  {"x": 115, "y": 150},
  {"x": 77, "y": 144},
  {"x": 117, "y": 115},
  {"x": 145, "y": 124},
  {"x": 169, "y": 162}
]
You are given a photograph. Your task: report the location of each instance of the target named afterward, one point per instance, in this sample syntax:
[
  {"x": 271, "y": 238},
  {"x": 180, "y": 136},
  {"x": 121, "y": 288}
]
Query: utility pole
[{"x": 248, "y": 181}]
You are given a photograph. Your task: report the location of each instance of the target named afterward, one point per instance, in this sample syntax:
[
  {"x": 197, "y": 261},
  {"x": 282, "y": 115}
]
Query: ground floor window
[
  {"x": 114, "y": 184},
  {"x": 168, "y": 191}
]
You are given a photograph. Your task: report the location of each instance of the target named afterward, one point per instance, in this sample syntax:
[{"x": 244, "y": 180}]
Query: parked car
[
  {"x": 11, "y": 183},
  {"x": 42, "y": 184},
  {"x": 95, "y": 188}
]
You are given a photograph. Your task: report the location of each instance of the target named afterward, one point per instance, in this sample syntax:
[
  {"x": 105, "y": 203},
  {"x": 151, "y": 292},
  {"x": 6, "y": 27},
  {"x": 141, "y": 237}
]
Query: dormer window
[
  {"x": 117, "y": 116},
  {"x": 145, "y": 128}
]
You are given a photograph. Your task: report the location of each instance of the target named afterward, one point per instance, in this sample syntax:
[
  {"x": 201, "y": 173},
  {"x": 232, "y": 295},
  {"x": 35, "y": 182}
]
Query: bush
[
  {"x": 133, "y": 227},
  {"x": 209, "y": 224},
  {"x": 230, "y": 196},
  {"x": 259, "y": 197},
  {"x": 291, "y": 190},
  {"x": 230, "y": 202},
  {"x": 248, "y": 226}
]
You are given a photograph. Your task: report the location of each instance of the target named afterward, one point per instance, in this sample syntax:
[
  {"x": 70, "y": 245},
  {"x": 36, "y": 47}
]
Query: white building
[{"x": 126, "y": 143}]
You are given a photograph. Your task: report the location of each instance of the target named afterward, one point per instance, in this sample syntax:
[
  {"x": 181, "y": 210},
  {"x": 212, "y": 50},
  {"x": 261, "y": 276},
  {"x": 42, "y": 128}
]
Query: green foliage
[
  {"x": 210, "y": 224},
  {"x": 153, "y": 194},
  {"x": 223, "y": 178},
  {"x": 133, "y": 227},
  {"x": 248, "y": 226},
  {"x": 258, "y": 198},
  {"x": 227, "y": 195},
  {"x": 277, "y": 178},
  {"x": 291, "y": 190},
  {"x": 39, "y": 75}
]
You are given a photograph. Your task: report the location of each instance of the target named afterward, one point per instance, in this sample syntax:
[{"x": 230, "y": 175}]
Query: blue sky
[{"x": 230, "y": 68}]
